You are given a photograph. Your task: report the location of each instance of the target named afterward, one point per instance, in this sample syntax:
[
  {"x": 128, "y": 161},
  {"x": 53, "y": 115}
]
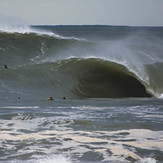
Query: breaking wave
[{"x": 43, "y": 63}]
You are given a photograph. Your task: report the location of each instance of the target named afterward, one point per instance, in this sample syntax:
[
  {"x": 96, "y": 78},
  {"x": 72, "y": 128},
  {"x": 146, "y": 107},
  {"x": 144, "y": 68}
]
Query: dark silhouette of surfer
[{"x": 5, "y": 66}]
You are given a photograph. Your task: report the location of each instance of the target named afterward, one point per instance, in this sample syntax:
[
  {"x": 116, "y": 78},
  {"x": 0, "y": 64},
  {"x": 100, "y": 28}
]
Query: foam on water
[
  {"x": 54, "y": 159},
  {"x": 20, "y": 29},
  {"x": 48, "y": 159},
  {"x": 117, "y": 143},
  {"x": 20, "y": 107},
  {"x": 148, "y": 160},
  {"x": 62, "y": 159}
]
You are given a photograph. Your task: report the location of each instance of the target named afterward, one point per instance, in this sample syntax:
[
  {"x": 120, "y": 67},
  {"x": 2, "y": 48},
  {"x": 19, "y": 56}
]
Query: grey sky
[{"x": 109, "y": 12}]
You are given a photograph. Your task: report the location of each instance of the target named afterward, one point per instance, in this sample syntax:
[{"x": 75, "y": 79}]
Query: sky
[{"x": 82, "y": 12}]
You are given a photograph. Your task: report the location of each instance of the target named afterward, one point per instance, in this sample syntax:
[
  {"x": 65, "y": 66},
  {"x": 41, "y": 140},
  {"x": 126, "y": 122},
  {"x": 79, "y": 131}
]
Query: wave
[
  {"x": 25, "y": 29},
  {"x": 32, "y": 46},
  {"x": 44, "y": 63},
  {"x": 93, "y": 78}
]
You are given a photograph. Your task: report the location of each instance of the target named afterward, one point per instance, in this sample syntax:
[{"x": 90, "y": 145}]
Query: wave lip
[
  {"x": 22, "y": 29},
  {"x": 25, "y": 29}
]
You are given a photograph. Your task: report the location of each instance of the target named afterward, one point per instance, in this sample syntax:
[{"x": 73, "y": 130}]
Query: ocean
[{"x": 106, "y": 85}]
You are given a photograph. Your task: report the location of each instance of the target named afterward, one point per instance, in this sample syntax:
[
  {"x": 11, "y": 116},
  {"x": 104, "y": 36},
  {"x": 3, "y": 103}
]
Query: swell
[{"x": 75, "y": 78}]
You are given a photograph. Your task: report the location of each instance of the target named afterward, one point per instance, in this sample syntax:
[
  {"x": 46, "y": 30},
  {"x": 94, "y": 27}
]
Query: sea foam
[
  {"x": 26, "y": 29},
  {"x": 51, "y": 159},
  {"x": 15, "y": 28},
  {"x": 54, "y": 159}
]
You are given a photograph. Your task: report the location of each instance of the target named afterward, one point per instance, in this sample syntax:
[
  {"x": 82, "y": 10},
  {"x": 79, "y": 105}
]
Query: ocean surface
[{"x": 107, "y": 88}]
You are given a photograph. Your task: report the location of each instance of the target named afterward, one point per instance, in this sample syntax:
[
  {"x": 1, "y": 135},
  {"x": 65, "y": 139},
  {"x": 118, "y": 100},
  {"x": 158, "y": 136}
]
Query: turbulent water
[{"x": 112, "y": 79}]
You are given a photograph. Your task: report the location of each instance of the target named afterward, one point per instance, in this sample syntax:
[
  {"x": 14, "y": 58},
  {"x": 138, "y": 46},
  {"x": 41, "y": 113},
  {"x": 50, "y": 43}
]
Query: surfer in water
[
  {"x": 50, "y": 98},
  {"x": 5, "y": 66}
]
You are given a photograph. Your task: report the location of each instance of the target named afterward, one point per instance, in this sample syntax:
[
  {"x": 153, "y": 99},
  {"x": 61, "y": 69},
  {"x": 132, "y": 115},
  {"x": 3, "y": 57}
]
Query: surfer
[
  {"x": 50, "y": 98},
  {"x": 5, "y": 66},
  {"x": 64, "y": 98}
]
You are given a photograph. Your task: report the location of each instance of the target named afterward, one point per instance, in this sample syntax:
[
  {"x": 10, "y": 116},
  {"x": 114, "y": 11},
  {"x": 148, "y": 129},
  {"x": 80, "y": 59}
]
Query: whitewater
[{"x": 107, "y": 86}]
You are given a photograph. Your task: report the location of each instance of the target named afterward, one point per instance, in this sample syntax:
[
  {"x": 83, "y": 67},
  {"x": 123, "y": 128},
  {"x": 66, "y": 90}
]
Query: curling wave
[
  {"x": 76, "y": 78},
  {"x": 45, "y": 64}
]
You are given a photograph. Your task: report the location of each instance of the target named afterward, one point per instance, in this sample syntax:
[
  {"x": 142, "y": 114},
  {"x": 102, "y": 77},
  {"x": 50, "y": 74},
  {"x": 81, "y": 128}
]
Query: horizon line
[{"x": 152, "y": 26}]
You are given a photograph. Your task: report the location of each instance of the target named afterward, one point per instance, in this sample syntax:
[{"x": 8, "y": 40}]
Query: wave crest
[
  {"x": 44, "y": 62},
  {"x": 76, "y": 78}
]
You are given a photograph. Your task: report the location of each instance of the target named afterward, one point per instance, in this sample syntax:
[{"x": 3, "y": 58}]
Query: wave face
[{"x": 63, "y": 61}]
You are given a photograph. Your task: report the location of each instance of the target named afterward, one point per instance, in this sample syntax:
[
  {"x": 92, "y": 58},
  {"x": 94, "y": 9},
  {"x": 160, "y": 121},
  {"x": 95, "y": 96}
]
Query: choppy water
[
  {"x": 113, "y": 84},
  {"x": 93, "y": 130}
]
